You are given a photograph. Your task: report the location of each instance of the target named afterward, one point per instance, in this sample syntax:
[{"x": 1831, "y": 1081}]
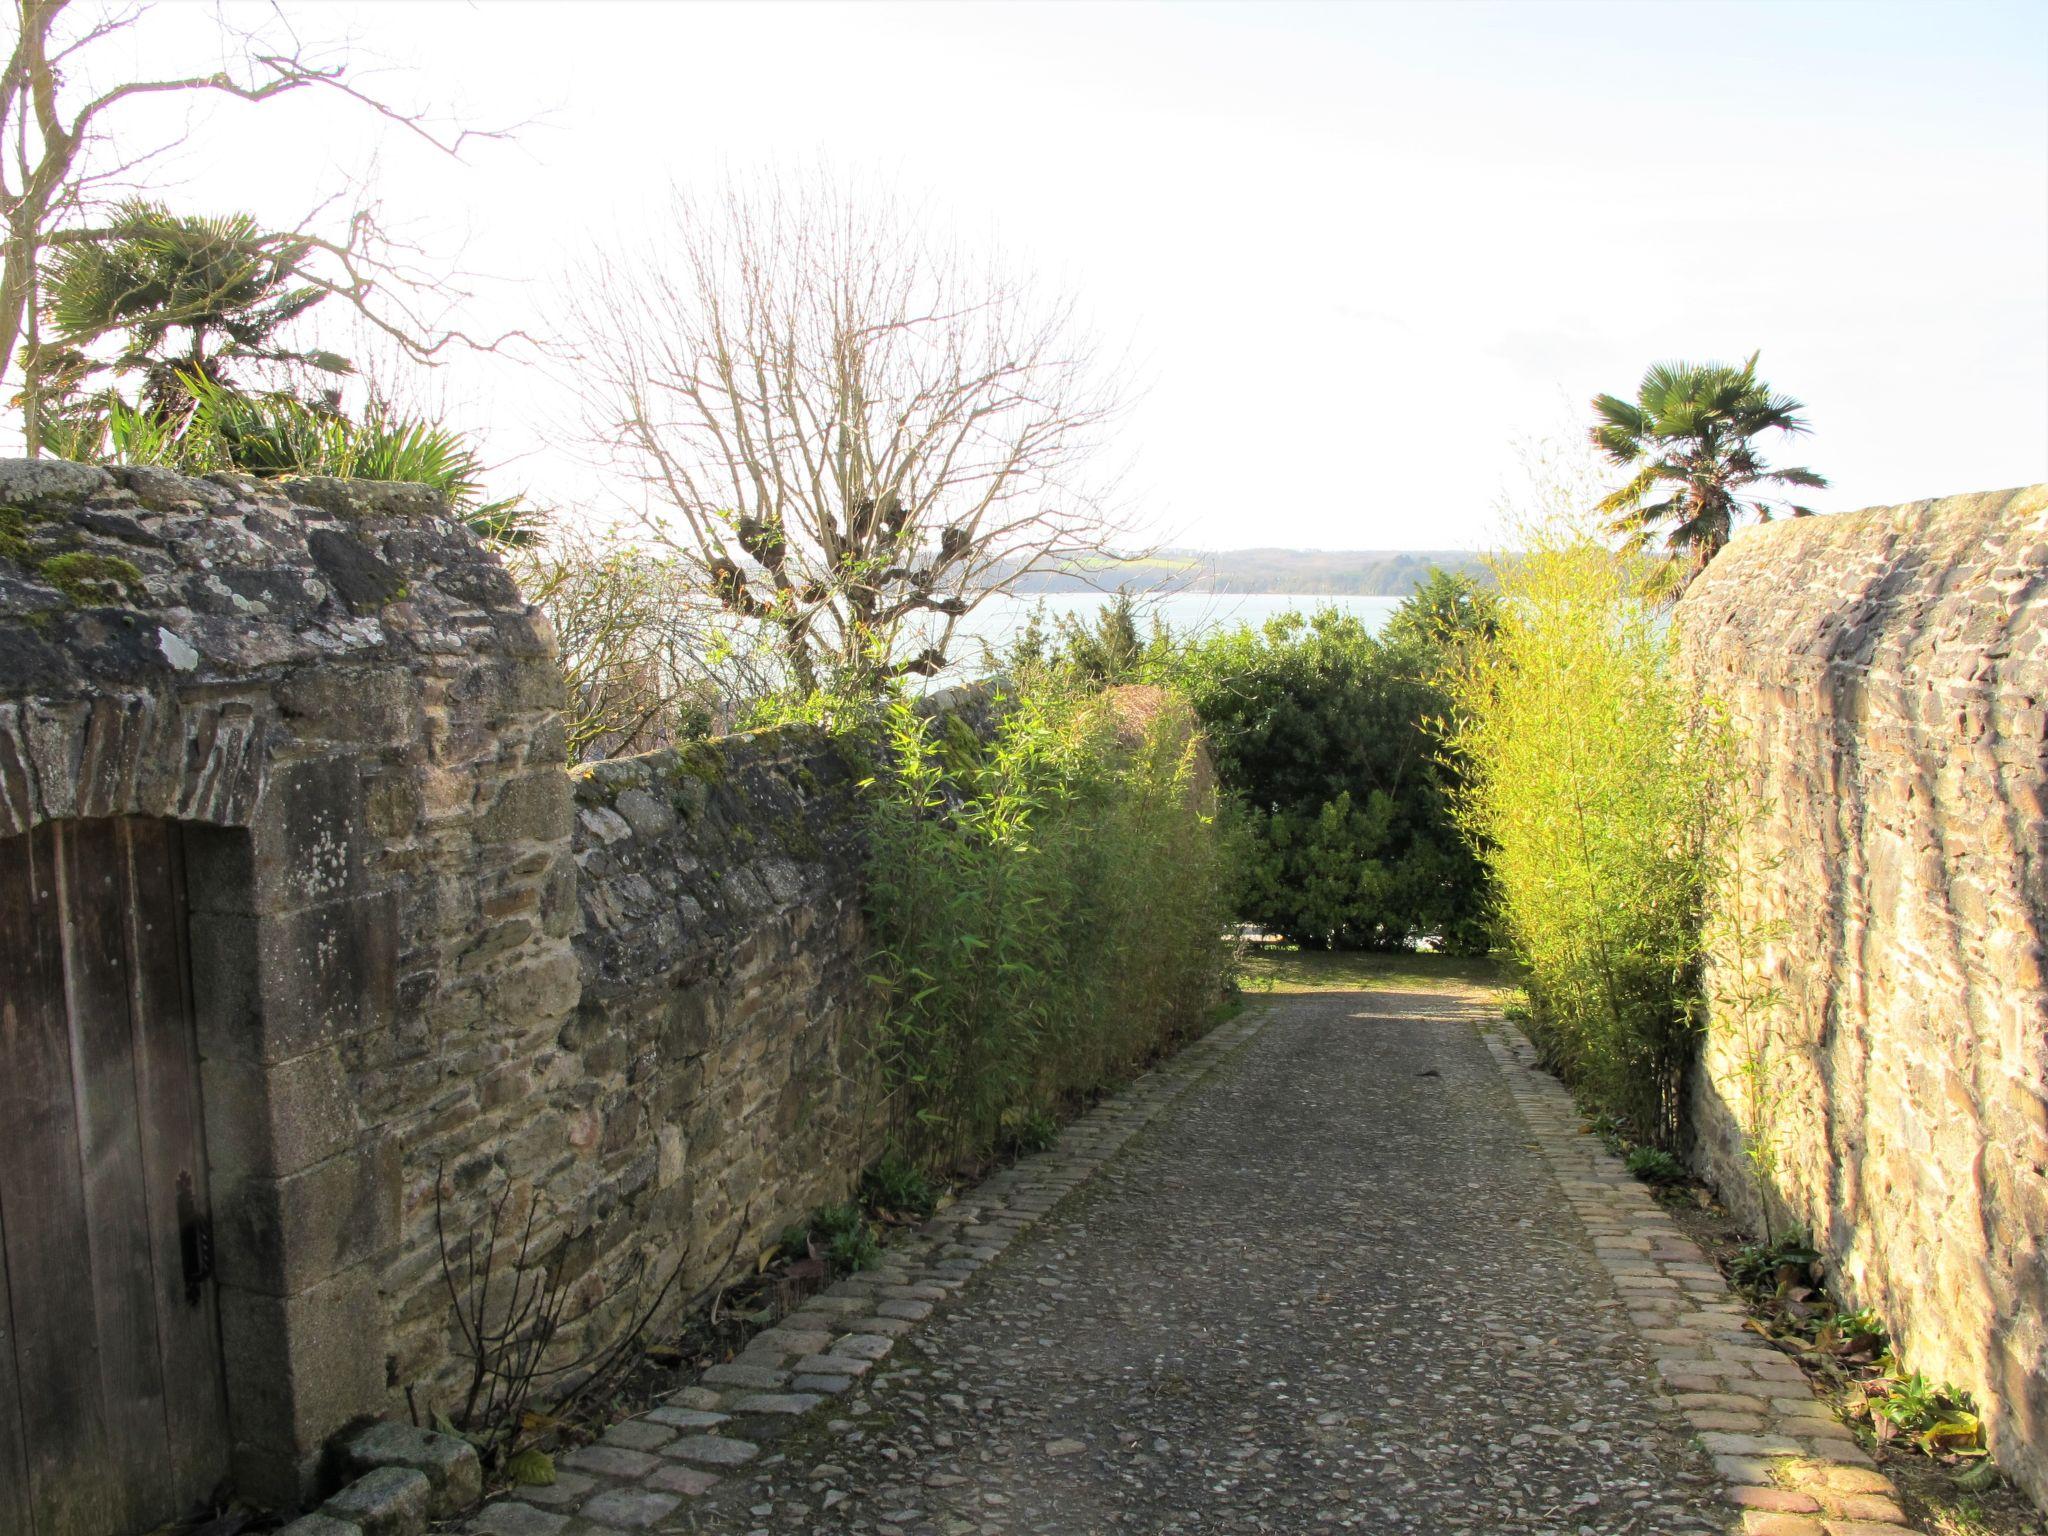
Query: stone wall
[
  {"x": 432, "y": 971},
  {"x": 1889, "y": 669},
  {"x": 706, "y": 1089},
  {"x": 351, "y": 713}
]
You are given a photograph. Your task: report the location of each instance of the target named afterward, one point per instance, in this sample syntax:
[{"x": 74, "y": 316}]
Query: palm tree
[
  {"x": 1691, "y": 435},
  {"x": 181, "y": 299}
]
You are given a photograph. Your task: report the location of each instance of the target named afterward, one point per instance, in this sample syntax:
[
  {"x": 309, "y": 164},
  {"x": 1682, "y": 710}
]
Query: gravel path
[{"x": 1333, "y": 1287}]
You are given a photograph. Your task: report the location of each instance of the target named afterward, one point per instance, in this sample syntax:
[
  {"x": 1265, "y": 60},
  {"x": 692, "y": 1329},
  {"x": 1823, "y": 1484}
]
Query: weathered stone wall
[
  {"x": 432, "y": 970},
  {"x": 353, "y": 714},
  {"x": 1889, "y": 670},
  {"x": 708, "y": 1088}
]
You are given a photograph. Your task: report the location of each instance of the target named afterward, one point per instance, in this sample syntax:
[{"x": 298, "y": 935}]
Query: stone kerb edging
[
  {"x": 642, "y": 1470},
  {"x": 1789, "y": 1467}
]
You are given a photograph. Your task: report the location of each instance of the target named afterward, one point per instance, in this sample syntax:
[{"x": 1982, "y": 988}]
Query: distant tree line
[{"x": 1305, "y": 572}]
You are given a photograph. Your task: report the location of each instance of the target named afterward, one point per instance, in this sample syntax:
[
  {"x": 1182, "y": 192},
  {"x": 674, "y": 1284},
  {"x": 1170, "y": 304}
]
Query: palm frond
[
  {"x": 1628, "y": 497},
  {"x": 1693, "y": 427}
]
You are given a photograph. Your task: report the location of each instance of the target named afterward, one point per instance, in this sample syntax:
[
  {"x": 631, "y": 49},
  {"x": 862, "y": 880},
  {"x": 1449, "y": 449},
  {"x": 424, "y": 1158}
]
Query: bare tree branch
[
  {"x": 58, "y": 147},
  {"x": 846, "y": 428}
]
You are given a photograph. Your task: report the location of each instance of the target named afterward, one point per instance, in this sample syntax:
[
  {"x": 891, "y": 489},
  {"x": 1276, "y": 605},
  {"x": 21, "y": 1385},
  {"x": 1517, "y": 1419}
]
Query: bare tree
[
  {"x": 648, "y": 658},
  {"x": 851, "y": 430},
  {"x": 62, "y": 165}
]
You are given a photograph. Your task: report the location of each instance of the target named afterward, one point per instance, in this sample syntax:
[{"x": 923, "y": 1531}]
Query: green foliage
[
  {"x": 846, "y": 1237},
  {"x": 271, "y": 436},
  {"x": 1046, "y": 901},
  {"x": 1764, "y": 1268},
  {"x": 1653, "y": 1165},
  {"x": 897, "y": 1186},
  {"x": 1111, "y": 649},
  {"x": 1444, "y": 613},
  {"x": 530, "y": 1468},
  {"x": 1936, "y": 1418},
  {"x": 1690, "y": 435},
  {"x": 178, "y": 298},
  {"x": 1328, "y": 740},
  {"x": 192, "y": 305},
  {"x": 1029, "y": 1130},
  {"x": 14, "y": 536},
  {"x": 839, "y": 1236},
  {"x": 1598, "y": 789}
]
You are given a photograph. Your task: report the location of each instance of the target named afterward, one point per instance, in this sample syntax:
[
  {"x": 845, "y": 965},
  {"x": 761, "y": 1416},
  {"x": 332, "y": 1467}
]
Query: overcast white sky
[{"x": 1357, "y": 250}]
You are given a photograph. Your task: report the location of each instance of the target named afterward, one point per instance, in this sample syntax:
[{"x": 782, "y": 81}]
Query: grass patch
[{"x": 1283, "y": 968}]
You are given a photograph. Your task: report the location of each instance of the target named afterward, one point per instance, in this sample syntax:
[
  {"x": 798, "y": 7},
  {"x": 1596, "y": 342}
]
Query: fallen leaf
[{"x": 531, "y": 1468}]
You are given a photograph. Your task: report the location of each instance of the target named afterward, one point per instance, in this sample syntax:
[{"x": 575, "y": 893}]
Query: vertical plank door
[{"x": 111, "y": 1414}]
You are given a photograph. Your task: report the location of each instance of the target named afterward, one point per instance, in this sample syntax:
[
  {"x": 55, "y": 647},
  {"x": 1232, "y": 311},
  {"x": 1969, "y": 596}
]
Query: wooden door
[{"x": 112, "y": 1413}]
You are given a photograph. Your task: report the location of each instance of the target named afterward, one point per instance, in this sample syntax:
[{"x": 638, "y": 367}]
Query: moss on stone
[
  {"x": 16, "y": 543},
  {"x": 88, "y": 578},
  {"x": 798, "y": 840},
  {"x": 700, "y": 760}
]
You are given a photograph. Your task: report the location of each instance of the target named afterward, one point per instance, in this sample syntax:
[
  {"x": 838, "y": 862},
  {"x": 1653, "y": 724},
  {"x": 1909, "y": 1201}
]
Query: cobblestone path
[{"x": 1333, "y": 1271}]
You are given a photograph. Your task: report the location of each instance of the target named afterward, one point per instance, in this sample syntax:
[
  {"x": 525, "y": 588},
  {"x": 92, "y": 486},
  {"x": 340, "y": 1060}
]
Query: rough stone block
[
  {"x": 833, "y": 1365},
  {"x": 864, "y": 1346},
  {"x": 630, "y": 1509},
  {"x": 828, "y": 1386},
  {"x": 275, "y": 986},
  {"x": 686, "y": 1418},
  {"x": 566, "y": 1491},
  {"x": 297, "y": 1368},
  {"x": 639, "y": 1435},
  {"x": 776, "y": 1402},
  {"x": 279, "y": 1119},
  {"x": 507, "y": 1518},
  {"x": 688, "y": 1481},
  {"x": 390, "y": 1501},
  {"x": 448, "y": 1463},
  {"x": 758, "y": 1378},
  {"x": 610, "y": 1460},
  {"x": 281, "y": 1235},
  {"x": 712, "y": 1450}
]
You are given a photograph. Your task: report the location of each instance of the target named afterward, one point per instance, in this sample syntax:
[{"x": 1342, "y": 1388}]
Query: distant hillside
[{"x": 1318, "y": 572}]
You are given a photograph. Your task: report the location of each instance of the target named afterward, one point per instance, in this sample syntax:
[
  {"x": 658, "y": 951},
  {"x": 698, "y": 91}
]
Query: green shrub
[
  {"x": 898, "y": 1186},
  {"x": 271, "y": 435},
  {"x": 840, "y": 1236},
  {"x": 845, "y": 1238},
  {"x": 1327, "y": 738},
  {"x": 1047, "y": 904},
  {"x": 1596, "y": 787},
  {"x": 1029, "y": 1130},
  {"x": 1653, "y": 1165}
]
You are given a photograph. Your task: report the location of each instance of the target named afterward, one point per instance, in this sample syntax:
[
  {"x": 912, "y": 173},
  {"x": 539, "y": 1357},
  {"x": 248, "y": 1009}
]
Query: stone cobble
[
  {"x": 1334, "y": 1290},
  {"x": 1790, "y": 1467},
  {"x": 646, "y": 1472},
  {"x": 1368, "y": 1275}
]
